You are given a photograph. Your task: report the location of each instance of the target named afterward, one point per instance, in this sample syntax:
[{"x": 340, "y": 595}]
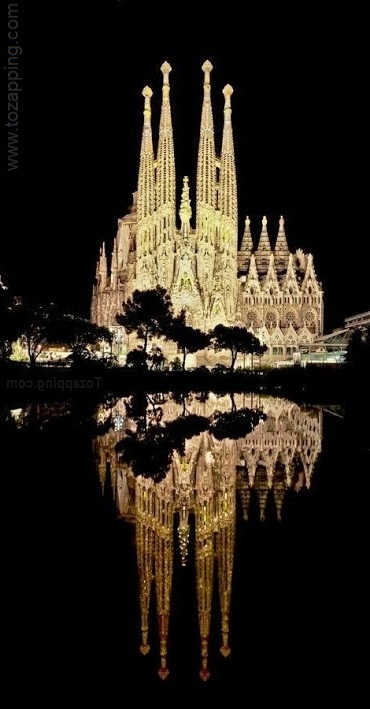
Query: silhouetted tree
[
  {"x": 137, "y": 359},
  {"x": 78, "y": 334},
  {"x": 8, "y": 325},
  {"x": 235, "y": 424},
  {"x": 187, "y": 338},
  {"x": 156, "y": 359},
  {"x": 36, "y": 324},
  {"x": 236, "y": 339},
  {"x": 149, "y": 449},
  {"x": 148, "y": 313},
  {"x": 358, "y": 349}
]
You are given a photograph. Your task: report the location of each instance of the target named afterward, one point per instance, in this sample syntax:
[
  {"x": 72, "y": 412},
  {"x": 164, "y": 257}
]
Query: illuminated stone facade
[
  {"x": 201, "y": 488},
  {"x": 264, "y": 287}
]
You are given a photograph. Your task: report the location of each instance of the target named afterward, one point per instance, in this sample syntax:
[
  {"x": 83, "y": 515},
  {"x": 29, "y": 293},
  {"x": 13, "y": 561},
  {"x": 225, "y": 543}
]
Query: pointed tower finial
[
  {"x": 165, "y": 188},
  {"x": 206, "y": 169},
  {"x": 165, "y": 69},
  {"x": 227, "y": 92},
  {"x": 246, "y": 247},
  {"x": 185, "y": 208},
  {"x": 145, "y": 196},
  {"x": 281, "y": 247},
  {"x": 264, "y": 248},
  {"x": 228, "y": 188},
  {"x": 207, "y": 68},
  {"x": 147, "y": 93}
]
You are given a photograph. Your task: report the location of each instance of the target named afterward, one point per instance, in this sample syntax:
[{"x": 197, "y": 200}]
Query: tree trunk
[{"x": 183, "y": 359}]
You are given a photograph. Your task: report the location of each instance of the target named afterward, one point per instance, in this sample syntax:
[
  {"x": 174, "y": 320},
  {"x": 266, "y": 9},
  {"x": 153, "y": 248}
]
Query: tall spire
[
  {"x": 264, "y": 248},
  {"x": 281, "y": 247},
  {"x": 102, "y": 267},
  {"x": 281, "y": 242},
  {"x": 246, "y": 247},
  {"x": 165, "y": 188},
  {"x": 166, "y": 179},
  {"x": 163, "y": 565},
  {"x": 206, "y": 195},
  {"x": 228, "y": 190},
  {"x": 144, "y": 492},
  {"x": 227, "y": 232},
  {"x": 145, "y": 202},
  {"x": 206, "y": 172},
  {"x": 145, "y": 198}
]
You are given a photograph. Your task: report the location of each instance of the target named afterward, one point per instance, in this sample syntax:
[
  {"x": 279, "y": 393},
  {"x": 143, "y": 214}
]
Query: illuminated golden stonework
[
  {"x": 269, "y": 290},
  {"x": 144, "y": 649},
  {"x": 225, "y": 650},
  {"x": 202, "y": 484}
]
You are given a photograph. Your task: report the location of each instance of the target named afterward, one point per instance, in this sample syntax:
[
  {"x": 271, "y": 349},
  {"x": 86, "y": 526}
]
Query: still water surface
[{"x": 234, "y": 568}]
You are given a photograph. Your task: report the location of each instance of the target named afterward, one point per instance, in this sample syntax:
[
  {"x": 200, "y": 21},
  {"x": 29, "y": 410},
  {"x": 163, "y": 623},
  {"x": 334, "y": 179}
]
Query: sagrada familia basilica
[{"x": 260, "y": 284}]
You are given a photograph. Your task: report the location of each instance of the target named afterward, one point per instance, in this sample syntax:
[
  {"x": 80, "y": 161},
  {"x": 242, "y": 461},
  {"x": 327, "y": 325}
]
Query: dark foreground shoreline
[{"x": 312, "y": 384}]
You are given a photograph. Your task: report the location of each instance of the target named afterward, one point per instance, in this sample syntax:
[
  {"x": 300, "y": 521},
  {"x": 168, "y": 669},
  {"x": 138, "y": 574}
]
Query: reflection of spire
[
  {"x": 244, "y": 492},
  {"x": 163, "y": 561},
  {"x": 144, "y": 545},
  {"x": 204, "y": 552},
  {"x": 262, "y": 488},
  {"x": 225, "y": 559},
  {"x": 204, "y": 567},
  {"x": 279, "y": 494},
  {"x": 183, "y": 480},
  {"x": 225, "y": 455},
  {"x": 277, "y": 454}
]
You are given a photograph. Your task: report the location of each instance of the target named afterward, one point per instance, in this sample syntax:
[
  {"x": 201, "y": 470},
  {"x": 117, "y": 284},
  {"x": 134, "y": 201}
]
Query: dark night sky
[{"x": 299, "y": 131}]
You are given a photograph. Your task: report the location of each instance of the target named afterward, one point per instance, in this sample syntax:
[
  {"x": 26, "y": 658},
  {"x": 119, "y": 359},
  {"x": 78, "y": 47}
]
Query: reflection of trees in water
[
  {"x": 213, "y": 447},
  {"x": 275, "y": 453},
  {"x": 148, "y": 448},
  {"x": 85, "y": 413}
]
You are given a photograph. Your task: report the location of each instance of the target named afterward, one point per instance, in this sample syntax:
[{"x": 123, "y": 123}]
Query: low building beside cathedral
[{"x": 263, "y": 286}]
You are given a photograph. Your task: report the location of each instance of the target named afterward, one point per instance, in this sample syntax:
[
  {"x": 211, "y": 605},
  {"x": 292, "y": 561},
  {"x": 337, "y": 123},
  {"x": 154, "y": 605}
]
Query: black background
[
  {"x": 299, "y": 129},
  {"x": 299, "y": 617}
]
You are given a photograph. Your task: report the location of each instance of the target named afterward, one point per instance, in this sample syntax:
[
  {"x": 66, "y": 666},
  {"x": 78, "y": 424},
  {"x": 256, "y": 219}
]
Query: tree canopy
[
  {"x": 8, "y": 325},
  {"x": 237, "y": 340},
  {"x": 41, "y": 326},
  {"x": 358, "y": 349},
  {"x": 149, "y": 313},
  {"x": 187, "y": 338}
]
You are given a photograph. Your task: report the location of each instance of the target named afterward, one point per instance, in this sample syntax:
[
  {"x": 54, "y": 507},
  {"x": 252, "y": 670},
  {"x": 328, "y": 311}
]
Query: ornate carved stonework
[
  {"x": 200, "y": 489},
  {"x": 270, "y": 290}
]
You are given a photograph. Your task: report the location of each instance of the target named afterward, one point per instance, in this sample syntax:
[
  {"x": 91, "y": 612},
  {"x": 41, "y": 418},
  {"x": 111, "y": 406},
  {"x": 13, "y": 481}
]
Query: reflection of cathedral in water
[{"x": 279, "y": 454}]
